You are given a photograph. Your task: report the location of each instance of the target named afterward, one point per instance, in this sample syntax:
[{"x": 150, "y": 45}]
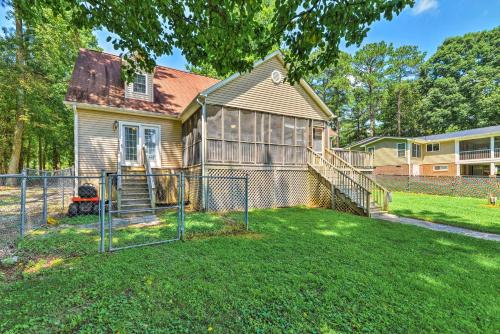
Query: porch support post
[
  {"x": 457, "y": 157},
  {"x": 204, "y": 203},
  {"x": 492, "y": 147},
  {"x": 493, "y": 171}
]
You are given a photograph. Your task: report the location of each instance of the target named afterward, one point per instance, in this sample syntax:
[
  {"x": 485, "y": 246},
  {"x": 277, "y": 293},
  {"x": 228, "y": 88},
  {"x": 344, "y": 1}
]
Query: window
[
  {"x": 440, "y": 168},
  {"x": 401, "y": 150},
  {"x": 416, "y": 150},
  {"x": 247, "y": 120},
  {"x": 371, "y": 150},
  {"x": 139, "y": 85},
  {"x": 318, "y": 140},
  {"x": 231, "y": 124},
  {"x": 432, "y": 147}
]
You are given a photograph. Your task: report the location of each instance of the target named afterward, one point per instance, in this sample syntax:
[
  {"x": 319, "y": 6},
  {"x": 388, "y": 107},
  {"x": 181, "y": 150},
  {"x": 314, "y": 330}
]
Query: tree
[
  {"x": 228, "y": 34},
  {"x": 36, "y": 61},
  {"x": 334, "y": 87},
  {"x": 369, "y": 65},
  {"x": 461, "y": 83},
  {"x": 403, "y": 65}
]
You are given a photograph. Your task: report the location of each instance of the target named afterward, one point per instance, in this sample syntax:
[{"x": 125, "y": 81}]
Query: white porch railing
[
  {"x": 149, "y": 177},
  {"x": 358, "y": 159},
  {"x": 475, "y": 154},
  {"x": 497, "y": 153}
]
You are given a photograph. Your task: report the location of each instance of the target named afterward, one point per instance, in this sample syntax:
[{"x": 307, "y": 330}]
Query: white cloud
[{"x": 424, "y": 6}]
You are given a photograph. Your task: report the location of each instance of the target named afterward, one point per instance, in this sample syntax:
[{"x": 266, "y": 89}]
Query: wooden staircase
[
  {"x": 356, "y": 191},
  {"x": 135, "y": 195}
]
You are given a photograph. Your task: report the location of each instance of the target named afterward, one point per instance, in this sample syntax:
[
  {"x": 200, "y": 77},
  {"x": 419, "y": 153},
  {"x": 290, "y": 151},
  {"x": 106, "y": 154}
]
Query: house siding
[
  {"x": 256, "y": 91},
  {"x": 130, "y": 94},
  {"x": 428, "y": 170},
  {"x": 98, "y": 142},
  {"x": 446, "y": 153},
  {"x": 386, "y": 153}
]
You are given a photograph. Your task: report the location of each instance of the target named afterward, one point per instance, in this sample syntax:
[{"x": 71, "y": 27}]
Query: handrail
[
  {"x": 355, "y": 191},
  {"x": 380, "y": 194},
  {"x": 149, "y": 177}
]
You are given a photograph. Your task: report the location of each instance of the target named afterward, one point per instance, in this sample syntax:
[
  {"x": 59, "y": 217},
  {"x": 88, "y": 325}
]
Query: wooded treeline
[
  {"x": 37, "y": 55},
  {"x": 383, "y": 90},
  {"x": 380, "y": 89}
]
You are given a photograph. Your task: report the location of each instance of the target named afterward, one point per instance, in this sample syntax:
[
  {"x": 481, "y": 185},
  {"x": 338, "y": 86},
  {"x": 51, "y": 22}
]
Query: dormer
[{"x": 141, "y": 88}]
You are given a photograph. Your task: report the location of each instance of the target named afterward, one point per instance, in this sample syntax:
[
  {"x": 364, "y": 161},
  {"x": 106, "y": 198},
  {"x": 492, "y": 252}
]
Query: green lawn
[
  {"x": 298, "y": 270},
  {"x": 472, "y": 213}
]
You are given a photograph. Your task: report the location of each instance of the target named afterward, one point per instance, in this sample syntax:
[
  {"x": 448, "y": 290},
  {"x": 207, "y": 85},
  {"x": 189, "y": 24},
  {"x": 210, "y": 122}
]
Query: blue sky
[{"x": 426, "y": 25}]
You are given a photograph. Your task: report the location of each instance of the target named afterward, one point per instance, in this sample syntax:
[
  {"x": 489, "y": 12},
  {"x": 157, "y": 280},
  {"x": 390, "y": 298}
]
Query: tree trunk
[
  {"x": 19, "y": 127},
  {"x": 372, "y": 111},
  {"x": 398, "y": 115},
  {"x": 40, "y": 153},
  {"x": 28, "y": 154}
]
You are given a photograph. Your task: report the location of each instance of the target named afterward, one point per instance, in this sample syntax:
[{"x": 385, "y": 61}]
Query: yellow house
[
  {"x": 254, "y": 124},
  {"x": 469, "y": 152}
]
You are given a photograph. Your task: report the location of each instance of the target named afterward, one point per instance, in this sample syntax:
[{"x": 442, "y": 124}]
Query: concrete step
[{"x": 135, "y": 206}]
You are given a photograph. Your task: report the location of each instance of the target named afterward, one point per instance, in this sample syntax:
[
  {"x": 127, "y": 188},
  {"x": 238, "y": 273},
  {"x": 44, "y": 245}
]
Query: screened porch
[{"x": 244, "y": 137}]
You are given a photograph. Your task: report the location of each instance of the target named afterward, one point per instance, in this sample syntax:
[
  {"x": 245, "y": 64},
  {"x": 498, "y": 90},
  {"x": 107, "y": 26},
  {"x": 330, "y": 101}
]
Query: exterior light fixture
[{"x": 115, "y": 125}]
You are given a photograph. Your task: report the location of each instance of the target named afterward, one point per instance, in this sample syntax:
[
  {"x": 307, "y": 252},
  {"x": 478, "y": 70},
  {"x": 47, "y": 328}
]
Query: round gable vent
[{"x": 276, "y": 76}]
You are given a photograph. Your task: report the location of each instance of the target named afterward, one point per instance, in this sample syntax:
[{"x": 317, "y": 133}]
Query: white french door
[{"x": 133, "y": 137}]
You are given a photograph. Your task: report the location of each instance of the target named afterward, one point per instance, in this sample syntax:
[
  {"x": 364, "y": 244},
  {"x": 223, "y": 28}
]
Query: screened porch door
[{"x": 133, "y": 137}]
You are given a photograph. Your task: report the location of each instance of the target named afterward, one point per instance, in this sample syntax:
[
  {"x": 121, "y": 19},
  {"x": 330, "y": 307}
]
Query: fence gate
[{"x": 142, "y": 209}]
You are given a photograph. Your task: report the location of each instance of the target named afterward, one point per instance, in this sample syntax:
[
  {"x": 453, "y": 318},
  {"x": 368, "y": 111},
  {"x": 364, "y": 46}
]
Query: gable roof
[
  {"x": 276, "y": 54},
  {"x": 97, "y": 80},
  {"x": 465, "y": 133},
  {"x": 371, "y": 140}
]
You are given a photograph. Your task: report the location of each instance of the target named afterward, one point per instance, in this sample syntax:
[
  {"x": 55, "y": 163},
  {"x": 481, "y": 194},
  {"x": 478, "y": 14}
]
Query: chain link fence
[
  {"x": 464, "y": 186},
  {"x": 215, "y": 205},
  {"x": 48, "y": 213},
  {"x": 45, "y": 214}
]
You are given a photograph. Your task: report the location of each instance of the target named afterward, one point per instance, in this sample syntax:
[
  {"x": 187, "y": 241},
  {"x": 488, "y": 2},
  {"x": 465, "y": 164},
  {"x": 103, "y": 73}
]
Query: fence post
[
  {"x": 44, "y": 196},
  {"x": 102, "y": 210},
  {"x": 23, "y": 203},
  {"x": 246, "y": 201},
  {"x": 110, "y": 207}
]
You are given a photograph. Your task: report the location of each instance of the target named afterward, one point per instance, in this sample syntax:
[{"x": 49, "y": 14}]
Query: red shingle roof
[{"x": 97, "y": 80}]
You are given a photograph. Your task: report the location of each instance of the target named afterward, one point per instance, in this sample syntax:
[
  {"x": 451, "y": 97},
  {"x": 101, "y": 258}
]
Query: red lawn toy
[{"x": 86, "y": 203}]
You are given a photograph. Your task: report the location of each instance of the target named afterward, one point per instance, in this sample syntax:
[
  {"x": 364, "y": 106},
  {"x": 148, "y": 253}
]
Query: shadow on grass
[
  {"x": 309, "y": 269},
  {"x": 432, "y": 216}
]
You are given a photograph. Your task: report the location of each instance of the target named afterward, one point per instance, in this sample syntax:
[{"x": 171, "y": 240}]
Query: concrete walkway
[{"x": 436, "y": 227}]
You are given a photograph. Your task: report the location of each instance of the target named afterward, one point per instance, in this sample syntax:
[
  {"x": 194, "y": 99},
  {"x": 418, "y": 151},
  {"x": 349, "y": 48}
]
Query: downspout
[
  {"x": 203, "y": 150},
  {"x": 75, "y": 147}
]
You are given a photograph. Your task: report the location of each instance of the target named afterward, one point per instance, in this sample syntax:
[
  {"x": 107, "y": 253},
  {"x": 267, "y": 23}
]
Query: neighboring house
[
  {"x": 468, "y": 152},
  {"x": 252, "y": 123}
]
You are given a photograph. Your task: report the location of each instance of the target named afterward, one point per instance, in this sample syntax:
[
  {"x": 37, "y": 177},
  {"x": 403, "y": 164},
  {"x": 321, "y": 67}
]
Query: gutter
[{"x": 75, "y": 143}]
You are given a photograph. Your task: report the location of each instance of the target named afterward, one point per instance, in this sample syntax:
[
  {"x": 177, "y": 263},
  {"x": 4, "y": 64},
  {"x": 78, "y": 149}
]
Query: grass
[
  {"x": 298, "y": 270},
  {"x": 471, "y": 213}
]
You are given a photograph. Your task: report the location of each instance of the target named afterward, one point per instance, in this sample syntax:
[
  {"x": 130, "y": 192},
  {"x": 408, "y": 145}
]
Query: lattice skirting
[{"x": 271, "y": 188}]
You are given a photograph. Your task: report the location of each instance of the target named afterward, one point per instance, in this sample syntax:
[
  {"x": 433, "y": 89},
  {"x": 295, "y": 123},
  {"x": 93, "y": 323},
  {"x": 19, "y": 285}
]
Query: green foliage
[
  {"x": 299, "y": 270},
  {"x": 229, "y": 35},
  {"x": 471, "y": 213},
  {"x": 461, "y": 83},
  {"x": 50, "y": 45}
]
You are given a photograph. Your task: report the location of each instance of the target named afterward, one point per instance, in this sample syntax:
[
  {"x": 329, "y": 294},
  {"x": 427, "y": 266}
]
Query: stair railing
[
  {"x": 149, "y": 177},
  {"x": 340, "y": 180},
  {"x": 380, "y": 195},
  {"x": 119, "y": 179}
]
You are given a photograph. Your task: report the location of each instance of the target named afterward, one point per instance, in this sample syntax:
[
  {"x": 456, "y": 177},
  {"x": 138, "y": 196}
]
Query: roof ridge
[{"x": 162, "y": 66}]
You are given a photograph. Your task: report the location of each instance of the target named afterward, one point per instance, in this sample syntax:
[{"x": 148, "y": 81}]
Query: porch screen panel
[
  {"x": 301, "y": 136},
  {"x": 247, "y": 136},
  {"x": 214, "y": 133},
  {"x": 231, "y": 135},
  {"x": 289, "y": 140}
]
